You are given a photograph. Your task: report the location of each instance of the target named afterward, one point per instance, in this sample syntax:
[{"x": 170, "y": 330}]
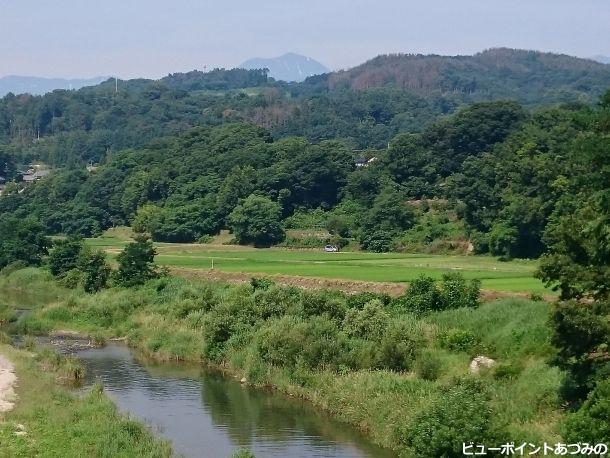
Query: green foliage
[
  {"x": 302, "y": 219},
  {"x": 378, "y": 241},
  {"x": 311, "y": 344},
  {"x": 60, "y": 422},
  {"x": 369, "y": 322},
  {"x": 458, "y": 340},
  {"x": 94, "y": 269},
  {"x": 581, "y": 334},
  {"x": 291, "y": 341},
  {"x": 257, "y": 220},
  {"x": 136, "y": 263},
  {"x": 428, "y": 365},
  {"x": 261, "y": 283},
  {"x": 22, "y": 240},
  {"x": 243, "y": 453},
  {"x": 63, "y": 257},
  {"x": 398, "y": 347},
  {"x": 455, "y": 291},
  {"x": 462, "y": 414},
  {"x": 590, "y": 423}
]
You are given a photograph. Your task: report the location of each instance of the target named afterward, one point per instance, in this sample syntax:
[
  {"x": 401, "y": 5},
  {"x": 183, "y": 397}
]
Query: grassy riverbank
[
  {"x": 49, "y": 421},
  {"x": 387, "y": 371}
]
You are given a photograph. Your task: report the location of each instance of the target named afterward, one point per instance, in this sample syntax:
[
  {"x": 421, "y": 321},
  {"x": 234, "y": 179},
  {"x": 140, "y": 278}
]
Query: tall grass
[
  {"x": 378, "y": 370},
  {"x": 58, "y": 423}
]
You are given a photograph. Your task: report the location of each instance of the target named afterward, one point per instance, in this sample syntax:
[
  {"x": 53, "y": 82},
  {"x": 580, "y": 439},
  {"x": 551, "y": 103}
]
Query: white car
[{"x": 330, "y": 249}]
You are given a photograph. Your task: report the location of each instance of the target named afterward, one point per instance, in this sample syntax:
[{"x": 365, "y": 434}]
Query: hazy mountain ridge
[
  {"x": 504, "y": 71},
  {"x": 39, "y": 85},
  {"x": 601, "y": 59},
  {"x": 288, "y": 67}
]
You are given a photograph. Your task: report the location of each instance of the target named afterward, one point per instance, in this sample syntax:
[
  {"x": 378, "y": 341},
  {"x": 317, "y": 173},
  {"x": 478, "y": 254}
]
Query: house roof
[{"x": 41, "y": 174}]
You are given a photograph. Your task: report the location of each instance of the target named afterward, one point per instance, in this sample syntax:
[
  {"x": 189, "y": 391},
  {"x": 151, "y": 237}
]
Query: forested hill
[
  {"x": 494, "y": 174},
  {"x": 530, "y": 77},
  {"x": 364, "y": 107}
]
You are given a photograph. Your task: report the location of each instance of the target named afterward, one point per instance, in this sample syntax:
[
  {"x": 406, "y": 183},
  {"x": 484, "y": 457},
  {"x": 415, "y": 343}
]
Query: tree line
[{"x": 498, "y": 171}]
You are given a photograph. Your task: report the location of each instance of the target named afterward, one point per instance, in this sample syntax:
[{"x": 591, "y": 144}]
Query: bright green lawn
[{"x": 380, "y": 267}]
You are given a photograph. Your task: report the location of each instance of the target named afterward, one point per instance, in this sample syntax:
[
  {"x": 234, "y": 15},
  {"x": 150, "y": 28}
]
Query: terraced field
[{"x": 513, "y": 276}]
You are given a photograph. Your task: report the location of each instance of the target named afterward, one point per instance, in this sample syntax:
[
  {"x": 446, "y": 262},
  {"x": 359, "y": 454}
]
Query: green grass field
[{"x": 513, "y": 276}]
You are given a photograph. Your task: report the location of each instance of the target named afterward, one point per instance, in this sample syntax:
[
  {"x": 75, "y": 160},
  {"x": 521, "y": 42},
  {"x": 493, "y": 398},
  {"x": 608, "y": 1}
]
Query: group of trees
[
  {"x": 502, "y": 169},
  {"x": 578, "y": 264},
  {"x": 24, "y": 243},
  {"x": 365, "y": 106}
]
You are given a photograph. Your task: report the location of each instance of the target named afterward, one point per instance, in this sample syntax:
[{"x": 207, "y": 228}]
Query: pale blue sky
[{"x": 79, "y": 38}]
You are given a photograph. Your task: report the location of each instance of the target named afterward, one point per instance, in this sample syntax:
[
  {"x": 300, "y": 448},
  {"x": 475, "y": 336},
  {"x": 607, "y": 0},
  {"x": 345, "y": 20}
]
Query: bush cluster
[{"x": 425, "y": 295}]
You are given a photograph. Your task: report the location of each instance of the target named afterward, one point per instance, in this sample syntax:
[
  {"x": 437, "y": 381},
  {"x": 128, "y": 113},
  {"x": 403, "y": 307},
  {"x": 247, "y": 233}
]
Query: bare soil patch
[
  {"x": 347, "y": 286},
  {"x": 8, "y": 379}
]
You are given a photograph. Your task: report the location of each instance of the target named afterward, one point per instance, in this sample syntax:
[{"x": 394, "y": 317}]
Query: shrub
[
  {"x": 358, "y": 301},
  {"x": 398, "y": 347},
  {"x": 315, "y": 303},
  {"x": 424, "y": 295},
  {"x": 95, "y": 271},
  {"x": 368, "y": 323},
  {"x": 274, "y": 302},
  {"x": 7, "y": 314},
  {"x": 378, "y": 241},
  {"x": 261, "y": 283},
  {"x": 460, "y": 415},
  {"x": 63, "y": 257},
  {"x": 217, "y": 329},
  {"x": 456, "y": 292},
  {"x": 590, "y": 423},
  {"x": 136, "y": 263},
  {"x": 428, "y": 365},
  {"x": 13, "y": 267},
  {"x": 71, "y": 279},
  {"x": 204, "y": 239},
  {"x": 458, "y": 340},
  {"x": 508, "y": 371},
  {"x": 291, "y": 341}
]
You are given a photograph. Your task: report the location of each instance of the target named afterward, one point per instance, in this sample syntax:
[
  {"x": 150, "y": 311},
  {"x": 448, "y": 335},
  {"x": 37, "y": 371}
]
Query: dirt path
[
  {"x": 8, "y": 379},
  {"x": 347, "y": 286}
]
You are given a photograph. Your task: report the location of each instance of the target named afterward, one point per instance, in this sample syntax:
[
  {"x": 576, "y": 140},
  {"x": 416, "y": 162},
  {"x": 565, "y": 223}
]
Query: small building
[
  {"x": 28, "y": 178},
  {"x": 41, "y": 174},
  {"x": 360, "y": 162},
  {"x": 363, "y": 162}
]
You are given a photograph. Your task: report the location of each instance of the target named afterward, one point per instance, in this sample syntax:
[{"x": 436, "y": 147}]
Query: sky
[{"x": 151, "y": 38}]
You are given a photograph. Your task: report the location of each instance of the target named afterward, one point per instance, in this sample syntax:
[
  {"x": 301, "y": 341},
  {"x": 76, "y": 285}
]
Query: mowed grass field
[{"x": 513, "y": 276}]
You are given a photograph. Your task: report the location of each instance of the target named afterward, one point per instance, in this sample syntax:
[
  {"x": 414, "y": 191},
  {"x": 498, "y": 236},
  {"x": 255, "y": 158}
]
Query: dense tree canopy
[
  {"x": 257, "y": 220},
  {"x": 508, "y": 175}
]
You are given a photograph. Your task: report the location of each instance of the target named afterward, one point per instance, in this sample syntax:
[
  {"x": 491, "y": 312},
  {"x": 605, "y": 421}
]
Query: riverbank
[
  {"x": 389, "y": 373},
  {"x": 48, "y": 420}
]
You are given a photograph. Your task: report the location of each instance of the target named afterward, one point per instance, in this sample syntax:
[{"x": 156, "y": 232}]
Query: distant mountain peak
[
  {"x": 36, "y": 85},
  {"x": 287, "y": 67}
]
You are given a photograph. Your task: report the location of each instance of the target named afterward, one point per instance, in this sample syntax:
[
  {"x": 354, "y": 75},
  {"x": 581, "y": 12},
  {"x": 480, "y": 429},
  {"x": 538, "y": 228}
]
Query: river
[{"x": 206, "y": 414}]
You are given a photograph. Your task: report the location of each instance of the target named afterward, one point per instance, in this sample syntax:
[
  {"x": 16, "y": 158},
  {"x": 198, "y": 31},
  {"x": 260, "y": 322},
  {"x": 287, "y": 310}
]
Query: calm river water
[{"x": 206, "y": 414}]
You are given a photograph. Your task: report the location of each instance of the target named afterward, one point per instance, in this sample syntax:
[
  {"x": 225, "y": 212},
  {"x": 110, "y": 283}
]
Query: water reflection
[{"x": 208, "y": 415}]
